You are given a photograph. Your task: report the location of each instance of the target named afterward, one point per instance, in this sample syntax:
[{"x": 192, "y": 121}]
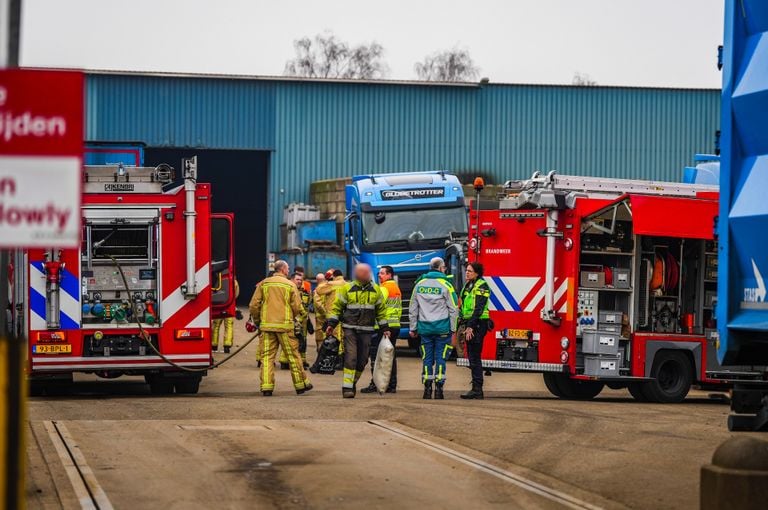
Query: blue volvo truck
[
  {"x": 403, "y": 220},
  {"x": 742, "y": 299}
]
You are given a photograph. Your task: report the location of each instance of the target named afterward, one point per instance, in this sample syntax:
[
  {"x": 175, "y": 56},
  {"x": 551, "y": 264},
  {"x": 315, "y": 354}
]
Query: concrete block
[{"x": 737, "y": 477}]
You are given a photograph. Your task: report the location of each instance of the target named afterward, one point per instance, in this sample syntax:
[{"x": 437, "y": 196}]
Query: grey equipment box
[
  {"x": 600, "y": 342},
  {"x": 602, "y": 366},
  {"x": 594, "y": 279},
  {"x": 610, "y": 317},
  {"x": 610, "y": 328},
  {"x": 621, "y": 278}
]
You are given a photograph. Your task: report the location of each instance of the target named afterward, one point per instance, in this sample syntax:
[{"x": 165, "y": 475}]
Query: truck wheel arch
[{"x": 692, "y": 349}]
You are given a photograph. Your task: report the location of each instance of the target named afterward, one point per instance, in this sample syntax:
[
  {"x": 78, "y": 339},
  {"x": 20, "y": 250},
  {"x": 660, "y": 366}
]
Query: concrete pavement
[{"x": 229, "y": 447}]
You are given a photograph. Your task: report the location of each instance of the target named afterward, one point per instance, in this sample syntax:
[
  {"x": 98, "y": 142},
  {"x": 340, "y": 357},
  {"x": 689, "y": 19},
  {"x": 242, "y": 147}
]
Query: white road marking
[
  {"x": 503, "y": 474},
  {"x": 87, "y": 488}
]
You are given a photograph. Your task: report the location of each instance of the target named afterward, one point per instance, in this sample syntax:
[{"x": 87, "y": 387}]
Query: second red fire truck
[
  {"x": 601, "y": 282},
  {"x": 136, "y": 297}
]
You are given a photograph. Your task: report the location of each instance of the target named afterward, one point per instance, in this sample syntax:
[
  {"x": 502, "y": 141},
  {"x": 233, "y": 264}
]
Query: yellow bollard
[{"x": 12, "y": 415}]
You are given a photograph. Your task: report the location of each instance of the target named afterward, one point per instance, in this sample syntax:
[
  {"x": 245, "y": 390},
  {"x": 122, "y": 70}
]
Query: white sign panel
[{"x": 39, "y": 201}]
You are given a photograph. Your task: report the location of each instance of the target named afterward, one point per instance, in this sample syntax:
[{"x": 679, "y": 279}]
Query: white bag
[{"x": 382, "y": 370}]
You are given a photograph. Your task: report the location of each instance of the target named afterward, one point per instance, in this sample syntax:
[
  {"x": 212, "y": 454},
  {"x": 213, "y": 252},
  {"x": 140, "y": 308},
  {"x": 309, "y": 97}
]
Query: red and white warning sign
[{"x": 41, "y": 150}]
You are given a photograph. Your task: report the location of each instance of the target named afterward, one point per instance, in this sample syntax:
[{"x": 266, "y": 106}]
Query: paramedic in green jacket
[
  {"x": 433, "y": 316},
  {"x": 473, "y": 324}
]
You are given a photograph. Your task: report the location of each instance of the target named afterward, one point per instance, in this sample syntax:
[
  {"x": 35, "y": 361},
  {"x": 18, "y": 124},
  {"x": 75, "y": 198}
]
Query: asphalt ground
[{"x": 112, "y": 444}]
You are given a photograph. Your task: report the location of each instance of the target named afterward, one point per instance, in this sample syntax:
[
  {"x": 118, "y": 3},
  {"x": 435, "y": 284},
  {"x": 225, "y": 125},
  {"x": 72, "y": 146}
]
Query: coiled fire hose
[{"x": 145, "y": 336}]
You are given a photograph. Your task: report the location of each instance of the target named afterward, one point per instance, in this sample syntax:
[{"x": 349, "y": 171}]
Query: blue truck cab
[
  {"x": 402, "y": 220},
  {"x": 742, "y": 298}
]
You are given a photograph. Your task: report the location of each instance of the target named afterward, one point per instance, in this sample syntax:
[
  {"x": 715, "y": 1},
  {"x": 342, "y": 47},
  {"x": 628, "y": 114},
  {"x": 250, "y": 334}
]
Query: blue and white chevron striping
[
  {"x": 69, "y": 298},
  {"x": 507, "y": 292}
]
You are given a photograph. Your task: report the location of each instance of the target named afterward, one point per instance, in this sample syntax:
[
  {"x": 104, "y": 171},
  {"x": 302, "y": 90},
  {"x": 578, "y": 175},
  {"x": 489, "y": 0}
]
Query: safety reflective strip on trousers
[
  {"x": 349, "y": 378},
  {"x": 265, "y": 361}
]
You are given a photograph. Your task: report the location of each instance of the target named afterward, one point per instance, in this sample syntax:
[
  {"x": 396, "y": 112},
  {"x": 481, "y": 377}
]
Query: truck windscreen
[{"x": 420, "y": 229}]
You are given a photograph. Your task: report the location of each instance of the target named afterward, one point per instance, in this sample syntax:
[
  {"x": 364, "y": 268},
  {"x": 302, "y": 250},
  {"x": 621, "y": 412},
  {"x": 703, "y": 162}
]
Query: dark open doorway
[{"x": 239, "y": 181}]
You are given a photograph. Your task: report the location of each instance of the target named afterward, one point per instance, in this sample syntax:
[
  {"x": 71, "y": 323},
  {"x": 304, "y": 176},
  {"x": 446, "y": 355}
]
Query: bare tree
[
  {"x": 449, "y": 65},
  {"x": 583, "y": 80},
  {"x": 326, "y": 56}
]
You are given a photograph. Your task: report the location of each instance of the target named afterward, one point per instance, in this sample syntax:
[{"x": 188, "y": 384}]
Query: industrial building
[{"x": 262, "y": 140}]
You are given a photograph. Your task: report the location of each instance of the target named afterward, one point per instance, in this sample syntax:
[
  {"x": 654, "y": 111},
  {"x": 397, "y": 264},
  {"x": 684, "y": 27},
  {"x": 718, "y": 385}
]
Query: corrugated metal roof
[{"x": 321, "y": 129}]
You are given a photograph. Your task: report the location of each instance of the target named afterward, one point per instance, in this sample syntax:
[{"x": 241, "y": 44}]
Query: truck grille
[{"x": 406, "y": 283}]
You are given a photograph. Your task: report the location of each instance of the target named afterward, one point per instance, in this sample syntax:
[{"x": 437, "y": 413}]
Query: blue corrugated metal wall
[{"x": 321, "y": 130}]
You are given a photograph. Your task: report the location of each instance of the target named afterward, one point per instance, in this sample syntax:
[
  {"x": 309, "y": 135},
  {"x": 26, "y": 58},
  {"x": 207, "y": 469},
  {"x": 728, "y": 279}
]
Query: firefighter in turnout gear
[
  {"x": 325, "y": 296},
  {"x": 275, "y": 308},
  {"x": 473, "y": 324},
  {"x": 319, "y": 319},
  {"x": 229, "y": 328},
  {"x": 433, "y": 316},
  {"x": 394, "y": 302},
  {"x": 359, "y": 308}
]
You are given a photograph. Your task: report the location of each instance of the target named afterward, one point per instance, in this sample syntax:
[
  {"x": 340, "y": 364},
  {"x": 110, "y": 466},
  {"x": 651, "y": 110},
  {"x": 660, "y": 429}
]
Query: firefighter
[
  {"x": 433, "y": 316},
  {"x": 394, "y": 302},
  {"x": 303, "y": 332},
  {"x": 325, "y": 296},
  {"x": 473, "y": 324},
  {"x": 229, "y": 328},
  {"x": 359, "y": 308},
  {"x": 319, "y": 319},
  {"x": 276, "y": 307},
  {"x": 304, "y": 283}
]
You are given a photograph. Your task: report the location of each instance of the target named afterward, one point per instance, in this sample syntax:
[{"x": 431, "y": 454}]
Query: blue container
[
  {"x": 293, "y": 257},
  {"x": 320, "y": 261},
  {"x": 130, "y": 154},
  {"x": 742, "y": 300},
  {"x": 316, "y": 230}
]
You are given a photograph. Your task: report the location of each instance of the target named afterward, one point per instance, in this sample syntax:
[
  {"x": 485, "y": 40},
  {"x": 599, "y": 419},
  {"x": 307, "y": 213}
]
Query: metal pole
[{"x": 10, "y": 34}]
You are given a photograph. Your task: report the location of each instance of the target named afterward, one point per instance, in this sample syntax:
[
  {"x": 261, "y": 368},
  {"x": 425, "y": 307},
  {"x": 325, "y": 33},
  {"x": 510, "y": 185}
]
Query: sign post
[{"x": 41, "y": 148}]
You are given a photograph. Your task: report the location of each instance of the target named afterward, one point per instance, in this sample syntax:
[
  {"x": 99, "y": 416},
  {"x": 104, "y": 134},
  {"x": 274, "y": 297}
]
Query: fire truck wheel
[
  {"x": 187, "y": 386},
  {"x": 550, "y": 381},
  {"x": 575, "y": 389},
  {"x": 672, "y": 375},
  {"x": 636, "y": 390},
  {"x": 159, "y": 385}
]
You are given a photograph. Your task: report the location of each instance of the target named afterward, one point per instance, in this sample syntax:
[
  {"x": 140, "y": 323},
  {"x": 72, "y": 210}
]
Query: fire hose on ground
[{"x": 145, "y": 336}]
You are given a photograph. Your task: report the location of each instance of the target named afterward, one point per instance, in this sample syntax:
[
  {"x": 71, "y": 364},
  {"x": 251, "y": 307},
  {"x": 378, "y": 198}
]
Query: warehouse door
[{"x": 239, "y": 184}]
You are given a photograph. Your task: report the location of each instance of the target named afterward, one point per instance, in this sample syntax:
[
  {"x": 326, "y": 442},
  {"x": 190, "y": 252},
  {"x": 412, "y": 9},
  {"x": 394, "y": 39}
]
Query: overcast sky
[{"x": 671, "y": 43}]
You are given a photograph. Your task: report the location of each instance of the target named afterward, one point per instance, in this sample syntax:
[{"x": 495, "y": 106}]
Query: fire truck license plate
[
  {"x": 52, "y": 349},
  {"x": 519, "y": 334}
]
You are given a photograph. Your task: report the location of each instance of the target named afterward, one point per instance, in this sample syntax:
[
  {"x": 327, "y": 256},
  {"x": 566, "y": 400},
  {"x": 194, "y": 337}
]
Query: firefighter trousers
[
  {"x": 270, "y": 340},
  {"x": 229, "y": 332},
  {"x": 435, "y": 351},
  {"x": 357, "y": 345},
  {"x": 319, "y": 335}
]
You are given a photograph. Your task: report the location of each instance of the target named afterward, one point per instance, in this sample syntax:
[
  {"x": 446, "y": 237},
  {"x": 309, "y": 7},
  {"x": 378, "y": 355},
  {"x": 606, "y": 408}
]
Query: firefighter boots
[
  {"x": 439, "y": 391},
  {"x": 476, "y": 393},
  {"x": 427, "y": 390},
  {"x": 267, "y": 393},
  {"x": 348, "y": 392},
  {"x": 305, "y": 389}
]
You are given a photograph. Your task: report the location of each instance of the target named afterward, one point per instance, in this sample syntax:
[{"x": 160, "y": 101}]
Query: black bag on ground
[{"x": 327, "y": 357}]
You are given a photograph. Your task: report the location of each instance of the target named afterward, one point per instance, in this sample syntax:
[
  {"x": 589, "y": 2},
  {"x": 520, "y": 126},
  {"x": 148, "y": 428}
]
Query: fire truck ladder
[{"x": 611, "y": 186}]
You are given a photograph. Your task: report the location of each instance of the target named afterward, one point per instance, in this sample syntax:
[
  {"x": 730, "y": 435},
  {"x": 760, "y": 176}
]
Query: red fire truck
[
  {"x": 603, "y": 282},
  {"x": 79, "y": 315}
]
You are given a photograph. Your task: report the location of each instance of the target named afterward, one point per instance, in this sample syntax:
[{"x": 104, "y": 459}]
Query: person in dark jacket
[{"x": 473, "y": 323}]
